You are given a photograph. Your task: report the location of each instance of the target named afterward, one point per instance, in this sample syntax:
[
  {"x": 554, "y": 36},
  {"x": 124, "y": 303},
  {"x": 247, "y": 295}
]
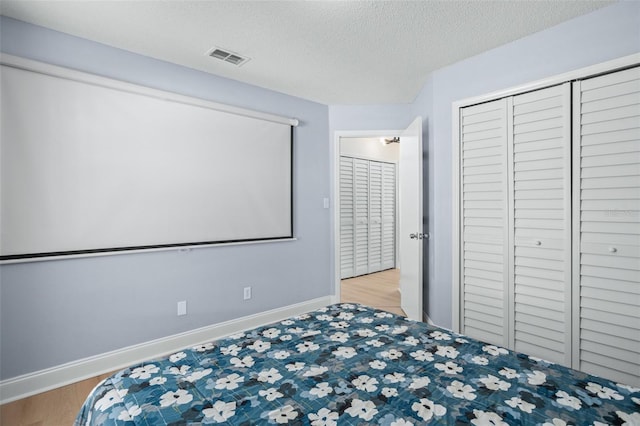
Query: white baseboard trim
[{"x": 61, "y": 375}]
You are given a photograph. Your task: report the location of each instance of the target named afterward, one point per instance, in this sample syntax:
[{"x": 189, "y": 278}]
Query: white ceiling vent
[{"x": 227, "y": 56}]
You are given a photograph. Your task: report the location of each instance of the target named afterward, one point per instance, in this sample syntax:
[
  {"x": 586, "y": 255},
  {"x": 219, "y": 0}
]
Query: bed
[{"x": 352, "y": 364}]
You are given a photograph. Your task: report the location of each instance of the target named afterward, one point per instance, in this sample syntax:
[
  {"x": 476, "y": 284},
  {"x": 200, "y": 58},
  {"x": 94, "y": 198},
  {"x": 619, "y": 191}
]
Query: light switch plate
[{"x": 182, "y": 308}]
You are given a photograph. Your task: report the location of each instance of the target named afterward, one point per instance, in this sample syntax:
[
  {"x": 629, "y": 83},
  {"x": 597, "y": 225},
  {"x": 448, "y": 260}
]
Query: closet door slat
[{"x": 607, "y": 159}]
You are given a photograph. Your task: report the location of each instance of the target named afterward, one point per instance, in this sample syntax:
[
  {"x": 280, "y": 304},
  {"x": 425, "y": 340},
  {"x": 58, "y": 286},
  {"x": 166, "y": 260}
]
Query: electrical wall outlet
[
  {"x": 247, "y": 293},
  {"x": 182, "y": 308}
]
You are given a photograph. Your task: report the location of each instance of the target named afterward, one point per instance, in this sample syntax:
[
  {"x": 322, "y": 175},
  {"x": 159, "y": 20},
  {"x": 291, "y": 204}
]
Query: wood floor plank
[
  {"x": 57, "y": 407},
  {"x": 378, "y": 290}
]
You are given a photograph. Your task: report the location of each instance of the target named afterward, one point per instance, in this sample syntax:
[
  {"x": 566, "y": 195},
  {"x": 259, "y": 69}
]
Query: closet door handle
[
  {"x": 537, "y": 242},
  {"x": 612, "y": 249}
]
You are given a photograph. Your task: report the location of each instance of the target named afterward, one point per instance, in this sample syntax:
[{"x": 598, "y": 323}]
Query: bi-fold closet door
[
  {"x": 484, "y": 236},
  {"x": 606, "y": 151},
  {"x": 540, "y": 203},
  {"x": 550, "y": 223},
  {"x": 367, "y": 216},
  {"x": 516, "y": 229}
]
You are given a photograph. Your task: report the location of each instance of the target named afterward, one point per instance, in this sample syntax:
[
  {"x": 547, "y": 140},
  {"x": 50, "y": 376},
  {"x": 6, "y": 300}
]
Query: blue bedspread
[{"x": 350, "y": 364}]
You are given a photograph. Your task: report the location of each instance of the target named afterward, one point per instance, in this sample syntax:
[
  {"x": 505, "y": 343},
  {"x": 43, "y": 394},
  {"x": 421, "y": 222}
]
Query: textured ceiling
[{"x": 333, "y": 52}]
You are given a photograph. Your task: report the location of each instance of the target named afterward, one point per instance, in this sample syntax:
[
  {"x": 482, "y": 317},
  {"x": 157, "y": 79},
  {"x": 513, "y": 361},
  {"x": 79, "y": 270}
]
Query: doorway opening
[
  {"x": 367, "y": 218},
  {"x": 408, "y": 237}
]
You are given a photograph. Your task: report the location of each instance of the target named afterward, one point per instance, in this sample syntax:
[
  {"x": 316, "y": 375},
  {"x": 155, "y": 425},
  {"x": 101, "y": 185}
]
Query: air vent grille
[{"x": 227, "y": 56}]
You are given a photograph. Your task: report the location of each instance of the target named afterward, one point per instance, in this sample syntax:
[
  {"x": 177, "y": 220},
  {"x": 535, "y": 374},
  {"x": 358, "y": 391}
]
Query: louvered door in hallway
[{"x": 367, "y": 216}]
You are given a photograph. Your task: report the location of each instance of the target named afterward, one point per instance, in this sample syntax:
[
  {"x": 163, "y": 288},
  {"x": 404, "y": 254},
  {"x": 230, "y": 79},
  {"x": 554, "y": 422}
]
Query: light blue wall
[
  {"x": 605, "y": 34},
  {"x": 59, "y": 311},
  {"x": 369, "y": 117}
]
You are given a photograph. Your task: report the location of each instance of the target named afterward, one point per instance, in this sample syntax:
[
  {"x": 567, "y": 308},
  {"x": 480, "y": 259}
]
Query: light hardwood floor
[
  {"x": 59, "y": 407},
  {"x": 379, "y": 290}
]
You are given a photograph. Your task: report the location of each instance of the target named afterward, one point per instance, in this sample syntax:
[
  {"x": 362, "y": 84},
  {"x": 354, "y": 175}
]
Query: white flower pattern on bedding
[{"x": 349, "y": 364}]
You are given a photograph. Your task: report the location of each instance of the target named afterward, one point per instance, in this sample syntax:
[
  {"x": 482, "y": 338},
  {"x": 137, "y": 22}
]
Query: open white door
[{"x": 410, "y": 237}]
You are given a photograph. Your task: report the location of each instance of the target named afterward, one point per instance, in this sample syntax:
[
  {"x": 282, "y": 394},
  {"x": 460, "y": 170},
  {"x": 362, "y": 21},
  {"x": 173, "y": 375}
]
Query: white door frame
[{"x": 335, "y": 166}]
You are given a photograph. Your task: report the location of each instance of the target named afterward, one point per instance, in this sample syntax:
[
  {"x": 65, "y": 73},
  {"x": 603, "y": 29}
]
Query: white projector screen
[{"x": 89, "y": 167}]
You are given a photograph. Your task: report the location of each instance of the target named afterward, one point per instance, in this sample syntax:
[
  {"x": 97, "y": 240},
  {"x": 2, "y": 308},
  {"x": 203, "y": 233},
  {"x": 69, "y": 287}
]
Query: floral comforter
[{"x": 349, "y": 364}]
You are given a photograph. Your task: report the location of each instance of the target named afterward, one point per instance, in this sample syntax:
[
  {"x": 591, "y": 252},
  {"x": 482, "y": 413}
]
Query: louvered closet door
[
  {"x": 542, "y": 223},
  {"x": 388, "y": 215},
  {"x": 375, "y": 216},
  {"x": 361, "y": 215},
  {"x": 607, "y": 170},
  {"x": 347, "y": 234},
  {"x": 484, "y": 222}
]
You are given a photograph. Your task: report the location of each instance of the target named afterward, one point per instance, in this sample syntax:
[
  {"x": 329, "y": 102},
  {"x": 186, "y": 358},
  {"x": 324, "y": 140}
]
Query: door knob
[{"x": 419, "y": 236}]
